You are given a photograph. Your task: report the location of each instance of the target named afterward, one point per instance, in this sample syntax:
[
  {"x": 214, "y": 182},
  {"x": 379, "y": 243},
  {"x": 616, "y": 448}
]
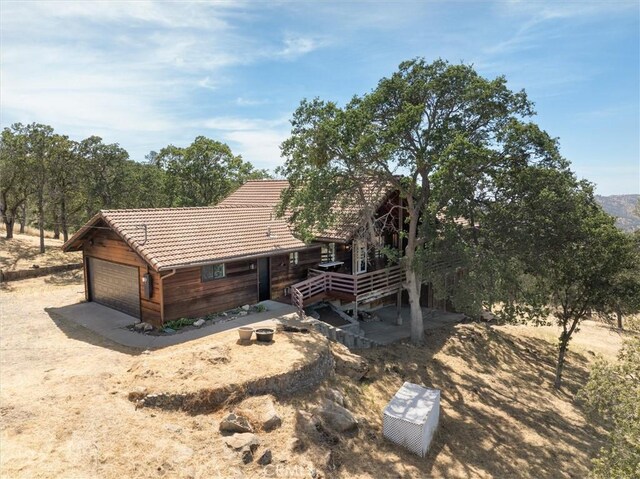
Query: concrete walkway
[
  {"x": 387, "y": 331},
  {"x": 112, "y": 324}
]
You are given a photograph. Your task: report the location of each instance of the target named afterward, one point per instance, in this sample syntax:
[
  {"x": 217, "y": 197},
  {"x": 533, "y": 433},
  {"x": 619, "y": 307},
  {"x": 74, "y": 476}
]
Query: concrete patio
[
  {"x": 113, "y": 325},
  {"x": 386, "y": 331}
]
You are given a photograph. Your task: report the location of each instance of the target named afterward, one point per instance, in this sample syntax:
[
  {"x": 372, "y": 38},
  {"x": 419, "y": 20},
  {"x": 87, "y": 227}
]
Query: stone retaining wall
[
  {"x": 209, "y": 400},
  {"x": 35, "y": 272}
]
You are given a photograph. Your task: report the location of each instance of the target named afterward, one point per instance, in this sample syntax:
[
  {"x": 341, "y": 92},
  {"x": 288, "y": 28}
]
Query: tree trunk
[
  {"x": 41, "y": 221},
  {"x": 619, "y": 318},
  {"x": 564, "y": 342},
  {"x": 413, "y": 289},
  {"x": 8, "y": 224},
  {"x": 23, "y": 217},
  {"x": 56, "y": 230},
  {"x": 63, "y": 220}
]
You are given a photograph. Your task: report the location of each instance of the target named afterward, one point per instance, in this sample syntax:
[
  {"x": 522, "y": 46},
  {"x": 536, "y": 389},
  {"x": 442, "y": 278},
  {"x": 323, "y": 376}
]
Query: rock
[
  {"x": 234, "y": 423},
  {"x": 331, "y": 461},
  {"x": 242, "y": 313},
  {"x": 306, "y": 421},
  {"x": 169, "y": 330},
  {"x": 296, "y": 444},
  {"x": 487, "y": 316},
  {"x": 138, "y": 393},
  {"x": 247, "y": 455},
  {"x": 142, "y": 326},
  {"x": 245, "y": 307},
  {"x": 266, "y": 458},
  {"x": 347, "y": 363},
  {"x": 199, "y": 323},
  {"x": 336, "y": 417},
  {"x": 270, "y": 418},
  {"x": 335, "y": 396},
  {"x": 244, "y": 440}
]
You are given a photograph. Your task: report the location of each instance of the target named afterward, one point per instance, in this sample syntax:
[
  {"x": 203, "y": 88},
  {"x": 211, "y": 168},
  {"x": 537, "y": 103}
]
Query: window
[
  {"x": 328, "y": 252},
  {"x": 212, "y": 271},
  {"x": 293, "y": 258}
]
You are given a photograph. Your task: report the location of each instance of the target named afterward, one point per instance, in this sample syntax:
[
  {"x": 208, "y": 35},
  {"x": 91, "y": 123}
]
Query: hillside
[
  {"x": 622, "y": 207},
  {"x": 501, "y": 417}
]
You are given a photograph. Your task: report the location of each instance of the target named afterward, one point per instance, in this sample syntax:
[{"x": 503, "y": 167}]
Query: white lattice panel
[{"x": 411, "y": 417}]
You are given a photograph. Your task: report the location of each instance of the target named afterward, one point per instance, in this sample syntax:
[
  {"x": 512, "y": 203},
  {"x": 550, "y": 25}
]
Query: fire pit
[{"x": 265, "y": 335}]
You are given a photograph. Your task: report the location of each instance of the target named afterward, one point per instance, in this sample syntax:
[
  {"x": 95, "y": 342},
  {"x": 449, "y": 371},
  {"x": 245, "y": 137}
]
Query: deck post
[
  {"x": 355, "y": 309},
  {"x": 399, "y": 308}
]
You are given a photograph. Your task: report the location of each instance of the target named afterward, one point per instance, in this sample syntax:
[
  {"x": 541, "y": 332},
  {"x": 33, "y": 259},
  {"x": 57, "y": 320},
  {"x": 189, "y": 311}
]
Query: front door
[
  {"x": 360, "y": 257},
  {"x": 264, "y": 283}
]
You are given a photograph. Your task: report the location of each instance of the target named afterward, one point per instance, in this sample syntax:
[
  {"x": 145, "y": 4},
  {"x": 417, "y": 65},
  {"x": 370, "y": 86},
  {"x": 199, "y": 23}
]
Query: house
[{"x": 163, "y": 264}]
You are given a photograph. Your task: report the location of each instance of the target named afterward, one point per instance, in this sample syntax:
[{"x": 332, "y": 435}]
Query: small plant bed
[{"x": 180, "y": 325}]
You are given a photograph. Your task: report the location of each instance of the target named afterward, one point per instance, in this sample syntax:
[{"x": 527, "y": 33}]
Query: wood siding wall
[
  {"x": 186, "y": 295},
  {"x": 284, "y": 275},
  {"x": 108, "y": 246}
]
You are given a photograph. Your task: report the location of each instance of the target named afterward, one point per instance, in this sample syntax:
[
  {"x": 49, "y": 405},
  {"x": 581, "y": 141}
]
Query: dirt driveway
[{"x": 62, "y": 412}]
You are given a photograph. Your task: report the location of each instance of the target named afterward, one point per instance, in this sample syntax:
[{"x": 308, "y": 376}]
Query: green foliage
[
  {"x": 440, "y": 134},
  {"x": 202, "y": 173},
  {"x": 66, "y": 182},
  {"x": 613, "y": 393},
  {"x": 177, "y": 324}
]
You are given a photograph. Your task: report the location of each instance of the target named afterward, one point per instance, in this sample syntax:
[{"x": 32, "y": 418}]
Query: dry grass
[
  {"x": 23, "y": 251},
  {"x": 65, "y": 411}
]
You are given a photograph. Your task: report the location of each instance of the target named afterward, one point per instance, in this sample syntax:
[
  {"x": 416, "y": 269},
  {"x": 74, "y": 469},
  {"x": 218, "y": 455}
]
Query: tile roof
[
  {"x": 179, "y": 237},
  {"x": 243, "y": 225},
  {"x": 262, "y": 192}
]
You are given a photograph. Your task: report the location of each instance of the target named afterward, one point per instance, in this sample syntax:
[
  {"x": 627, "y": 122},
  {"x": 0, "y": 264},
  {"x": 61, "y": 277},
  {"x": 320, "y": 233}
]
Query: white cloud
[{"x": 257, "y": 140}]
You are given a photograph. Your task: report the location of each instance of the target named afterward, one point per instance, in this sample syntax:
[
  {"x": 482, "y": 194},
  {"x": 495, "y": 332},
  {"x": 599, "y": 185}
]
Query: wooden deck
[{"x": 357, "y": 288}]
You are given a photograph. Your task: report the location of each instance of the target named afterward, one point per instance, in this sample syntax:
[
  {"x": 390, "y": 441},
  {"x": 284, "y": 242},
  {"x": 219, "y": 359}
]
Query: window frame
[
  {"x": 205, "y": 279},
  {"x": 294, "y": 258}
]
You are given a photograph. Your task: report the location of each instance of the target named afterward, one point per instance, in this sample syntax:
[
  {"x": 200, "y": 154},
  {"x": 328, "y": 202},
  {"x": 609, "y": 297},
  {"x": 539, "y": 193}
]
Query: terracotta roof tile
[{"x": 242, "y": 225}]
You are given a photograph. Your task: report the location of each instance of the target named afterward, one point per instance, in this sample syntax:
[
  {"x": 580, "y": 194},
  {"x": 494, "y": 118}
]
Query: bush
[
  {"x": 613, "y": 393},
  {"x": 179, "y": 323}
]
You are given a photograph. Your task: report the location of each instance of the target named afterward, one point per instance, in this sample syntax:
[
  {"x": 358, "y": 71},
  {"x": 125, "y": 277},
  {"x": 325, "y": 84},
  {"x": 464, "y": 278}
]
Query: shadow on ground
[
  {"x": 77, "y": 332},
  {"x": 500, "y": 416}
]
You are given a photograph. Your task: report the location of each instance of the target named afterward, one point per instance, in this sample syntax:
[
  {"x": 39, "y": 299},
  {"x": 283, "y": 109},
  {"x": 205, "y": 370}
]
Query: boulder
[
  {"x": 199, "y": 323},
  {"x": 242, "y": 441},
  {"x": 270, "y": 418},
  {"x": 235, "y": 423},
  {"x": 349, "y": 364},
  {"x": 306, "y": 422},
  {"x": 335, "y": 396},
  {"x": 261, "y": 412},
  {"x": 266, "y": 458},
  {"x": 296, "y": 444},
  {"x": 336, "y": 417},
  {"x": 246, "y": 307}
]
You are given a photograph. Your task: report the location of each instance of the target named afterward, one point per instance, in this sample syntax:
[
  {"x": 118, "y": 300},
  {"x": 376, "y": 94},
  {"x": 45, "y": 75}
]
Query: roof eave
[{"x": 228, "y": 259}]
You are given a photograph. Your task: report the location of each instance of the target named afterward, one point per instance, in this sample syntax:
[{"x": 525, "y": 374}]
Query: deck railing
[{"x": 362, "y": 287}]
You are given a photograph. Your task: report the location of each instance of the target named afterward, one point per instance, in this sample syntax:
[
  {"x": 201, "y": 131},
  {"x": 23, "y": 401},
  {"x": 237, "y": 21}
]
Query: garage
[{"x": 114, "y": 285}]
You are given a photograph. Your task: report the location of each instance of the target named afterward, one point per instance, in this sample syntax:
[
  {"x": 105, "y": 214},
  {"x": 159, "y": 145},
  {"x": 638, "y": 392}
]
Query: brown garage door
[{"x": 115, "y": 285}]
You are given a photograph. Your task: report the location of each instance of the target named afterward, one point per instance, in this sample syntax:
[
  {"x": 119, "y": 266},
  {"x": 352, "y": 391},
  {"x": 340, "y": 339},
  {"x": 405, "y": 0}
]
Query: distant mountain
[{"x": 622, "y": 207}]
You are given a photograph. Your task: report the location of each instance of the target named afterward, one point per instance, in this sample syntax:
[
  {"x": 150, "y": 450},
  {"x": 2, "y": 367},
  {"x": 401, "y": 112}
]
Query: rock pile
[{"x": 253, "y": 414}]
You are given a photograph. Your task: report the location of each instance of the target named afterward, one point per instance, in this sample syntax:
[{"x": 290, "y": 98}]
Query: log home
[{"x": 162, "y": 264}]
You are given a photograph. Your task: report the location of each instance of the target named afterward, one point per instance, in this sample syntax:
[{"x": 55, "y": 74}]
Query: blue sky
[{"x": 146, "y": 74}]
